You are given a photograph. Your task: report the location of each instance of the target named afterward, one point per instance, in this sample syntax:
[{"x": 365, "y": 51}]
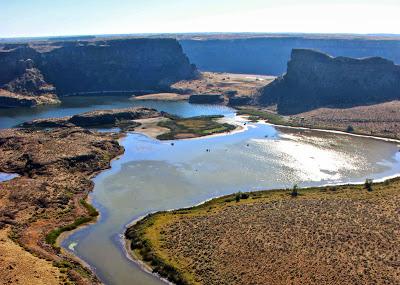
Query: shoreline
[
  {"x": 239, "y": 128},
  {"x": 147, "y": 268},
  {"x": 125, "y": 242},
  {"x": 337, "y": 132},
  {"x": 64, "y": 235}
]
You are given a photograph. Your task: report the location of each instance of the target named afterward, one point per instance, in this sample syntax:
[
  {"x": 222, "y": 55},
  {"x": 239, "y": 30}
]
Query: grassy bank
[
  {"x": 51, "y": 237},
  {"x": 270, "y": 117},
  {"x": 193, "y": 127},
  {"x": 210, "y": 243}
]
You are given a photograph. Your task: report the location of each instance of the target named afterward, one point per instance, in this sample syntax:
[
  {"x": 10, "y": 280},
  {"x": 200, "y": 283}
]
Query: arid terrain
[
  {"x": 47, "y": 198},
  {"x": 377, "y": 120},
  {"x": 226, "y": 85},
  {"x": 162, "y": 97},
  {"x": 327, "y": 235},
  {"x": 382, "y": 120},
  {"x": 55, "y": 160}
]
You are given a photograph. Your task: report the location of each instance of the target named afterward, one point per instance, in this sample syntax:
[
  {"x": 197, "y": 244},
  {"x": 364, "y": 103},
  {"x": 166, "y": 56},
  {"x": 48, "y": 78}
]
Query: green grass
[
  {"x": 143, "y": 247},
  {"x": 197, "y": 126},
  {"x": 91, "y": 210},
  {"x": 255, "y": 115},
  {"x": 52, "y": 236}
]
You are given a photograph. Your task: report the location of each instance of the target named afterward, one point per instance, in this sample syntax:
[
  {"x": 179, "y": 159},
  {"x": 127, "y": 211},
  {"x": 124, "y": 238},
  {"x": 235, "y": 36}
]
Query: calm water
[
  {"x": 154, "y": 175},
  {"x": 7, "y": 176},
  {"x": 79, "y": 104}
]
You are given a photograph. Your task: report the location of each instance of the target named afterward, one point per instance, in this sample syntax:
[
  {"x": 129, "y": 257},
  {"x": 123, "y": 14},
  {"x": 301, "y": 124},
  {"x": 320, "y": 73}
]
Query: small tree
[
  {"x": 294, "y": 191},
  {"x": 368, "y": 184},
  {"x": 237, "y": 197}
]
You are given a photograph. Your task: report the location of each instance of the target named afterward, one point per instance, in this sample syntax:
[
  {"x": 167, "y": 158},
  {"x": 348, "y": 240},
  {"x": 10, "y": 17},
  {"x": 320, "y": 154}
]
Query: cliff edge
[
  {"x": 93, "y": 66},
  {"x": 314, "y": 79}
]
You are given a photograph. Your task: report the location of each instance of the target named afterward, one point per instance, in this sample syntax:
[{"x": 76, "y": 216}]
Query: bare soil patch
[
  {"x": 228, "y": 85},
  {"x": 162, "y": 97}
]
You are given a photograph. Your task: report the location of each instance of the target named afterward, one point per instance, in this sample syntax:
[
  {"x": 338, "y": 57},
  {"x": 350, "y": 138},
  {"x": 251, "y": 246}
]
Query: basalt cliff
[
  {"x": 268, "y": 54},
  {"x": 314, "y": 79},
  {"x": 30, "y": 71}
]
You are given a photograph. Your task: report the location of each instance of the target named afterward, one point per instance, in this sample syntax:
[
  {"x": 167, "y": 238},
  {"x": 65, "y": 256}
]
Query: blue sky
[{"x": 82, "y": 17}]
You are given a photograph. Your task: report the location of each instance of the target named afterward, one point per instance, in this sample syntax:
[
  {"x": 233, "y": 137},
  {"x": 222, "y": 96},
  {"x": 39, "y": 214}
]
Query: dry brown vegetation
[
  {"x": 56, "y": 161},
  {"x": 328, "y": 235},
  {"x": 378, "y": 120},
  {"x": 227, "y": 84},
  {"x": 55, "y": 168}
]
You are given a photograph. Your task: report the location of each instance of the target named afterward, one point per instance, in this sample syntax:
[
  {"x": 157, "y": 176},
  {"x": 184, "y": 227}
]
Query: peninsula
[{"x": 55, "y": 160}]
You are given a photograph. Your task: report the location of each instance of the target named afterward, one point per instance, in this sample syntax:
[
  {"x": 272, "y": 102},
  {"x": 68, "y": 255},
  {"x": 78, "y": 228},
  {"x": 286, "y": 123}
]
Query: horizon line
[{"x": 202, "y": 33}]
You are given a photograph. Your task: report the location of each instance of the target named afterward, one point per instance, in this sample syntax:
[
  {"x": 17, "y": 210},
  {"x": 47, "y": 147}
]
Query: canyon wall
[
  {"x": 91, "y": 66},
  {"x": 269, "y": 55},
  {"x": 314, "y": 79}
]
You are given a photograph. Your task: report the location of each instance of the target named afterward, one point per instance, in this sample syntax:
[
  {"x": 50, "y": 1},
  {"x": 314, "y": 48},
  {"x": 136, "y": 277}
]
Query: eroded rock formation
[
  {"x": 93, "y": 66},
  {"x": 315, "y": 79},
  {"x": 113, "y": 118}
]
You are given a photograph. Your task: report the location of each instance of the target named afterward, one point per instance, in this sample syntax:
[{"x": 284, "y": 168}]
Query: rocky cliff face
[
  {"x": 91, "y": 66},
  {"x": 315, "y": 79},
  {"x": 269, "y": 55}
]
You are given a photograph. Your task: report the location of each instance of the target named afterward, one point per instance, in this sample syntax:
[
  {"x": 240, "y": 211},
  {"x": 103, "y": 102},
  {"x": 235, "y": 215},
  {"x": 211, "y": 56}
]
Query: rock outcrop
[
  {"x": 10, "y": 99},
  {"x": 93, "y": 66},
  {"x": 315, "y": 79},
  {"x": 108, "y": 117},
  {"x": 268, "y": 54},
  {"x": 113, "y": 118},
  {"x": 27, "y": 87}
]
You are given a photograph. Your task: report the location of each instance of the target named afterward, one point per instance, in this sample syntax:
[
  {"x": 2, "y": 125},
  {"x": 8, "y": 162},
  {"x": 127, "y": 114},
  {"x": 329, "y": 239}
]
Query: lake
[
  {"x": 79, "y": 104},
  {"x": 153, "y": 176}
]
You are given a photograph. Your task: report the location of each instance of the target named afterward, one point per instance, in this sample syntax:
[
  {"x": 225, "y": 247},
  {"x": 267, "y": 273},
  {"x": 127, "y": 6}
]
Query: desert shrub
[
  {"x": 244, "y": 196},
  {"x": 332, "y": 188},
  {"x": 350, "y": 129},
  {"x": 237, "y": 197},
  {"x": 42, "y": 202},
  {"x": 294, "y": 191},
  {"x": 368, "y": 184}
]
